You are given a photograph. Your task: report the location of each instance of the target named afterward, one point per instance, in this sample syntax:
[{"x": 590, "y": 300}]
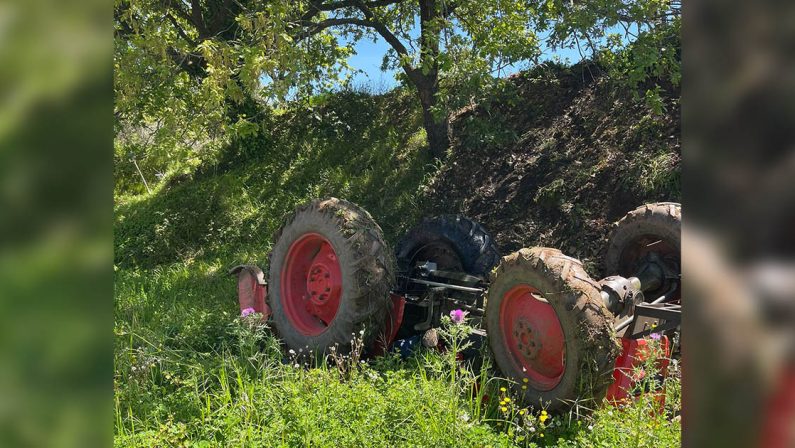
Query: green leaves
[{"x": 182, "y": 76}]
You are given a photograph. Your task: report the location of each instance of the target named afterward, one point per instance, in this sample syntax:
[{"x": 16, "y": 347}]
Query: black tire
[
  {"x": 589, "y": 338},
  {"x": 367, "y": 268},
  {"x": 650, "y": 227},
  {"x": 454, "y": 242}
]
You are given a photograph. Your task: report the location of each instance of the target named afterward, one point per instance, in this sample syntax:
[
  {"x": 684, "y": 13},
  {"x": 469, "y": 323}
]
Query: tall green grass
[{"x": 190, "y": 372}]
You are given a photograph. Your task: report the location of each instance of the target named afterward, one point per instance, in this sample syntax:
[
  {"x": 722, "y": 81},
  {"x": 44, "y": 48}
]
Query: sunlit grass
[{"x": 189, "y": 372}]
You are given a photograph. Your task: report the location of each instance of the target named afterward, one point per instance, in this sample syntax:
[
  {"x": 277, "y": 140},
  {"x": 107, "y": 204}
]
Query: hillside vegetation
[{"x": 556, "y": 156}]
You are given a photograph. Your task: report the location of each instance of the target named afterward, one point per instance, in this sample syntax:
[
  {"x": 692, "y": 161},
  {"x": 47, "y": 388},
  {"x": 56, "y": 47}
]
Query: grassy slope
[
  {"x": 563, "y": 162},
  {"x": 187, "y": 373}
]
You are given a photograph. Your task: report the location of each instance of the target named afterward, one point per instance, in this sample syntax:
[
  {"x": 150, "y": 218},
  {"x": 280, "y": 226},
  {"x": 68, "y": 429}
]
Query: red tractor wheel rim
[
  {"x": 311, "y": 284},
  {"x": 532, "y": 331}
]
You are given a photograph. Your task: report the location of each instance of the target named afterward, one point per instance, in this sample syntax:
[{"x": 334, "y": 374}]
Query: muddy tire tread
[
  {"x": 374, "y": 271},
  {"x": 595, "y": 335}
]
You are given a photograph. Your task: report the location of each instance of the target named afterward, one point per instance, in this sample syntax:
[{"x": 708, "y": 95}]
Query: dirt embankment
[{"x": 559, "y": 163}]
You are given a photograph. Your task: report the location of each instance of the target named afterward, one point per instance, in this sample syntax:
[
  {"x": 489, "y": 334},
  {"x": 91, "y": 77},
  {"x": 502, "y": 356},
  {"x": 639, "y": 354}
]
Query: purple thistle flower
[
  {"x": 247, "y": 311},
  {"x": 457, "y": 316},
  {"x": 655, "y": 336}
]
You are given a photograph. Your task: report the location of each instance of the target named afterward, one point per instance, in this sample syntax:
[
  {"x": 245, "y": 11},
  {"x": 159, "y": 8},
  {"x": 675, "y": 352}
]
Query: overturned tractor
[{"x": 549, "y": 325}]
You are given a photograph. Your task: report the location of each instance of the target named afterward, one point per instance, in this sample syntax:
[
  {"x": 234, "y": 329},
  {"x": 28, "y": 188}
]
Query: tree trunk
[
  {"x": 427, "y": 81},
  {"x": 436, "y": 130}
]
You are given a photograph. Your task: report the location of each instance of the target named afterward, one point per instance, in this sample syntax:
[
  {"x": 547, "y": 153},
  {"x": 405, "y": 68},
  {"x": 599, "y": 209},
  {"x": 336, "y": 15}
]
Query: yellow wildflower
[
  {"x": 524, "y": 380},
  {"x": 504, "y": 409},
  {"x": 502, "y": 389},
  {"x": 507, "y": 400},
  {"x": 524, "y": 387},
  {"x": 521, "y": 412}
]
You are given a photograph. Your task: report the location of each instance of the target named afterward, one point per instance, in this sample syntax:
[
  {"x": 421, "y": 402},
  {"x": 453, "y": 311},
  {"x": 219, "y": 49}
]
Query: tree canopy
[{"x": 191, "y": 74}]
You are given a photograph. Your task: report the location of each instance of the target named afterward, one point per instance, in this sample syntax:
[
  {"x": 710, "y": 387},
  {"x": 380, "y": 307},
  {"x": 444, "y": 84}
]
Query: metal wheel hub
[
  {"x": 311, "y": 284},
  {"x": 319, "y": 284},
  {"x": 528, "y": 342},
  {"x": 534, "y": 336}
]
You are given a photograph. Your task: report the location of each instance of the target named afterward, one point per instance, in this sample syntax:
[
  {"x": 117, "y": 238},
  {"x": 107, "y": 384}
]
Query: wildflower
[
  {"x": 247, "y": 311},
  {"x": 504, "y": 409},
  {"x": 507, "y": 400},
  {"x": 522, "y": 412},
  {"x": 458, "y": 316},
  {"x": 541, "y": 435},
  {"x": 502, "y": 389},
  {"x": 524, "y": 387},
  {"x": 590, "y": 427},
  {"x": 291, "y": 351},
  {"x": 524, "y": 380},
  {"x": 655, "y": 336}
]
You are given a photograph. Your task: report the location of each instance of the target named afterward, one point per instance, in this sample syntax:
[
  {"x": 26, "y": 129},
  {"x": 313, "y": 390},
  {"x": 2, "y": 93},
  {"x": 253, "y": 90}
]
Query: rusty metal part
[
  {"x": 446, "y": 285},
  {"x": 660, "y": 300},
  {"x": 253, "y": 269},
  {"x": 659, "y": 318},
  {"x": 620, "y": 295},
  {"x": 657, "y": 273}
]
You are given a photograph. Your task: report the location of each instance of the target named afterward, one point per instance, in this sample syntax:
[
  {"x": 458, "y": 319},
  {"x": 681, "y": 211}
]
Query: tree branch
[
  {"x": 390, "y": 37},
  {"x": 317, "y": 27},
  {"x": 354, "y": 3},
  {"x": 448, "y": 8},
  {"x": 193, "y": 64},
  {"x": 179, "y": 29},
  {"x": 314, "y": 9},
  {"x": 317, "y": 6},
  {"x": 176, "y": 6},
  {"x": 197, "y": 19}
]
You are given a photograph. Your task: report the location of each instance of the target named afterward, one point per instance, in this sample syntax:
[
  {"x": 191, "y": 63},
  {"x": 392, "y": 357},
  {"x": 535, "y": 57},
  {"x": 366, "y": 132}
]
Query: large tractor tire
[
  {"x": 453, "y": 242},
  {"x": 330, "y": 276},
  {"x": 650, "y": 228},
  {"x": 549, "y": 331}
]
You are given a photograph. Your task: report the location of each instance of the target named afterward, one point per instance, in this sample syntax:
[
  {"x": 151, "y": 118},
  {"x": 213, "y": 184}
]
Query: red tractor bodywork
[
  {"x": 252, "y": 289},
  {"x": 629, "y": 372}
]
